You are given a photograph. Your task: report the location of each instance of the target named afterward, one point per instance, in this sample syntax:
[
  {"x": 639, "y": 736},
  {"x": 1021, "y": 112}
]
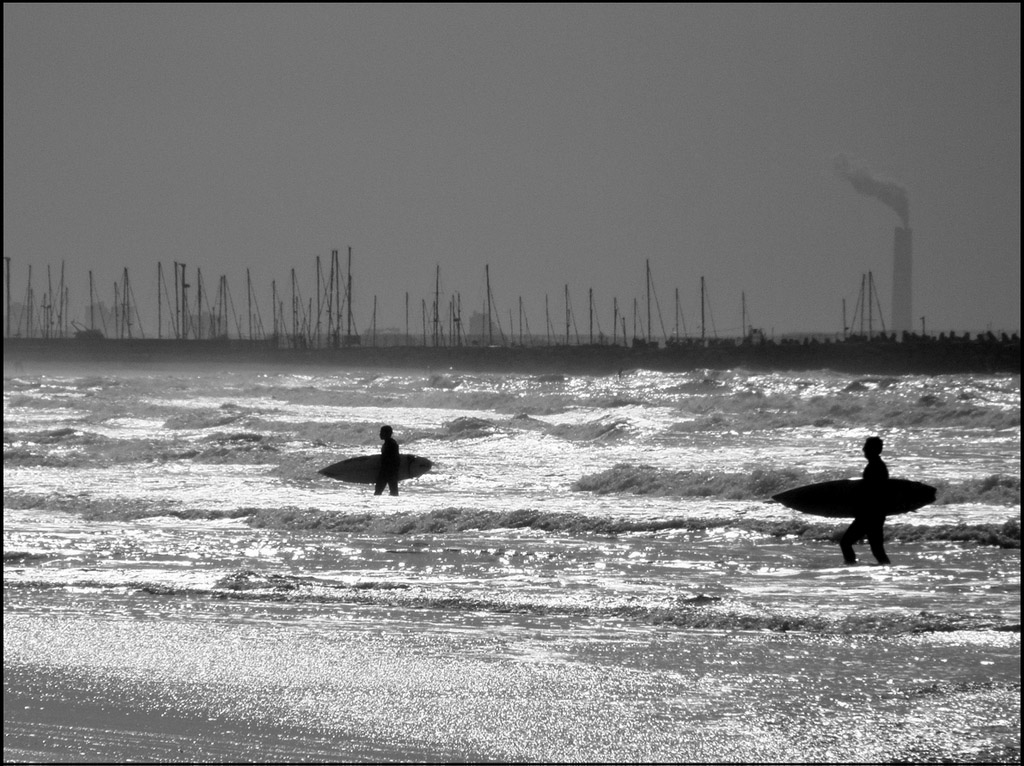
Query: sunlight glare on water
[{"x": 590, "y": 571}]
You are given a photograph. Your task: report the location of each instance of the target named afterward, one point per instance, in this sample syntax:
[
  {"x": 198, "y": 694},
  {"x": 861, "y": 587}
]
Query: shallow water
[{"x": 590, "y": 572}]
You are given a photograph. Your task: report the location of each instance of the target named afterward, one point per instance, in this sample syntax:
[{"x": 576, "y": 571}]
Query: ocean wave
[
  {"x": 106, "y": 453},
  {"x": 25, "y": 557},
  {"x": 625, "y": 478},
  {"x": 760, "y": 484},
  {"x": 995, "y": 489},
  {"x": 457, "y": 520},
  {"x": 202, "y": 419},
  {"x": 690, "y": 612},
  {"x": 469, "y": 428},
  {"x": 686, "y": 611}
]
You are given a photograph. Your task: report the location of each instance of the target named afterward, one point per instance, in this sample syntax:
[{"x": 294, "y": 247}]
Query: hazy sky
[{"x": 561, "y": 144}]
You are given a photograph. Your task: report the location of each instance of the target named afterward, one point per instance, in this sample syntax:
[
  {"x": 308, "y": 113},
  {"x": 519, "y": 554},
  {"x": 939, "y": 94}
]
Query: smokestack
[{"x": 902, "y": 312}]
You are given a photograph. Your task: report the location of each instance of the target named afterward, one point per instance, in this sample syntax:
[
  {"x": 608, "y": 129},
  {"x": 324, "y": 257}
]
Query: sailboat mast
[
  {"x": 615, "y": 321},
  {"x": 490, "y": 327},
  {"x": 650, "y": 330},
  {"x": 702, "y": 333},
  {"x": 318, "y": 308},
  {"x": 248, "y": 299},
  {"x": 743, "y": 325},
  {"x": 348, "y": 300},
  {"x": 159, "y": 300},
  {"x": 437, "y": 298},
  {"x": 871, "y": 307},
  {"x": 590, "y": 301},
  {"x": 567, "y": 315},
  {"x": 7, "y": 289}
]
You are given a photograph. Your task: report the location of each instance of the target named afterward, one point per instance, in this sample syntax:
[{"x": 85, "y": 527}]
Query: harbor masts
[{"x": 615, "y": 321}]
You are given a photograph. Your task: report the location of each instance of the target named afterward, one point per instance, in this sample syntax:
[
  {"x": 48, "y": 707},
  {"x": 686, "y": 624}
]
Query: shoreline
[
  {"x": 50, "y": 716},
  {"x": 103, "y": 688}
]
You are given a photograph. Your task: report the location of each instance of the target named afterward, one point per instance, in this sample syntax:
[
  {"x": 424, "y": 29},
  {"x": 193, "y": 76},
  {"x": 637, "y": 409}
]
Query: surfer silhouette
[
  {"x": 869, "y": 521},
  {"x": 389, "y": 463}
]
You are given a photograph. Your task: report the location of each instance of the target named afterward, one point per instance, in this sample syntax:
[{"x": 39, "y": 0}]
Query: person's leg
[
  {"x": 852, "y": 535},
  {"x": 876, "y": 537},
  {"x": 393, "y": 486},
  {"x": 379, "y": 488}
]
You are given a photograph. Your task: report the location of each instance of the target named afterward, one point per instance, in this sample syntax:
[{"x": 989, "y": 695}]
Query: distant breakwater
[{"x": 859, "y": 357}]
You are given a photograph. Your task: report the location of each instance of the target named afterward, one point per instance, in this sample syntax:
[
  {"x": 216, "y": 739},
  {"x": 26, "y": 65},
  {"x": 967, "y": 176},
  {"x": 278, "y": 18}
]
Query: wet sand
[{"x": 360, "y": 686}]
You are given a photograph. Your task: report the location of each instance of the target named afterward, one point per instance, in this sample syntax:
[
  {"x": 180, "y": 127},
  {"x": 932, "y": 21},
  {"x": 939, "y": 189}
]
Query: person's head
[
  {"x": 873, "y": 446},
  {"x": 385, "y": 432}
]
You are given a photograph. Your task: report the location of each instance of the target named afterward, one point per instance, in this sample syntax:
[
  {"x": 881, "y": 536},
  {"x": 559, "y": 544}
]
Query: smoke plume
[{"x": 864, "y": 181}]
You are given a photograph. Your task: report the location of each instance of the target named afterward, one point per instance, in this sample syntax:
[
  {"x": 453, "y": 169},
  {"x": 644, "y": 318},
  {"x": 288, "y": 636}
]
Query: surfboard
[
  {"x": 364, "y": 469},
  {"x": 848, "y": 497}
]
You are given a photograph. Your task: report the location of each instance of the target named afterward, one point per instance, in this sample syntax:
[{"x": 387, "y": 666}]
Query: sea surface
[{"x": 591, "y": 572}]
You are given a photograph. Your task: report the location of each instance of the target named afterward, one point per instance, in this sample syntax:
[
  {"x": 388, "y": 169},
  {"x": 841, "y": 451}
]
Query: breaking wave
[
  {"x": 456, "y": 520},
  {"x": 686, "y": 611},
  {"x": 629, "y": 479}
]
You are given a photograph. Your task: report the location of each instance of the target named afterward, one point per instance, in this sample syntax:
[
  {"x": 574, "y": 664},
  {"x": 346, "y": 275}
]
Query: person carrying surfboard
[
  {"x": 389, "y": 463},
  {"x": 871, "y": 519}
]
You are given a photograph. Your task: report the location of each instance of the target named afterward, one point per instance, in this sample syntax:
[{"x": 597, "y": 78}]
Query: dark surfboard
[
  {"x": 365, "y": 468},
  {"x": 848, "y": 497}
]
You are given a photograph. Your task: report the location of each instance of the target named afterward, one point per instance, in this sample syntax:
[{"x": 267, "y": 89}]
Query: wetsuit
[
  {"x": 870, "y": 521},
  {"x": 389, "y": 463}
]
